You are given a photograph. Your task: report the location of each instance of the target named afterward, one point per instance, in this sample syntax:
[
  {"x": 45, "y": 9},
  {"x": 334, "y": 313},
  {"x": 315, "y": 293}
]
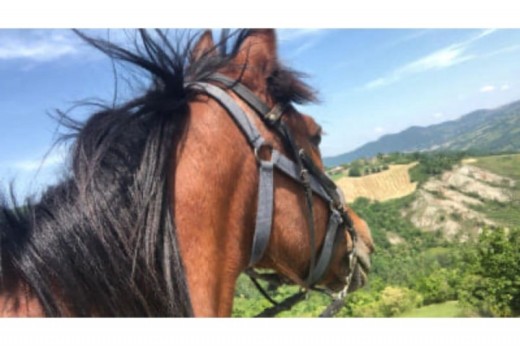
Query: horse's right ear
[{"x": 204, "y": 47}]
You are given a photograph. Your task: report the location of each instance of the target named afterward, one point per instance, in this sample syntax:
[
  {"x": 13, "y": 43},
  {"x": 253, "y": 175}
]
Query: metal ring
[{"x": 257, "y": 150}]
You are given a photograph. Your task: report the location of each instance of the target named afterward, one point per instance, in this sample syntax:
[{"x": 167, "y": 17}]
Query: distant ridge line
[{"x": 482, "y": 130}]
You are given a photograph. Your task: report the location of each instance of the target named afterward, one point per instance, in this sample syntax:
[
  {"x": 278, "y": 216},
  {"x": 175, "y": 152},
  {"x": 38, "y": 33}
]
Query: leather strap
[
  {"x": 237, "y": 114},
  {"x": 243, "y": 92},
  {"x": 282, "y": 162},
  {"x": 264, "y": 214},
  {"x": 323, "y": 262},
  {"x": 312, "y": 182}
]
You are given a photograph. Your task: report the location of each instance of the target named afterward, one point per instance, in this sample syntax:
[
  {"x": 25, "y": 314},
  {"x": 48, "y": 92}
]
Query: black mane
[{"x": 103, "y": 241}]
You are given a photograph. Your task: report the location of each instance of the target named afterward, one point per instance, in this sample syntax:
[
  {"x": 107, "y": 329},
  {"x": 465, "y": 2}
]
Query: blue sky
[{"x": 370, "y": 82}]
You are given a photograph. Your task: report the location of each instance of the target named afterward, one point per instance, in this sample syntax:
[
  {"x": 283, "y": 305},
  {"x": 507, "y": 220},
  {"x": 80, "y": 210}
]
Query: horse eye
[{"x": 316, "y": 139}]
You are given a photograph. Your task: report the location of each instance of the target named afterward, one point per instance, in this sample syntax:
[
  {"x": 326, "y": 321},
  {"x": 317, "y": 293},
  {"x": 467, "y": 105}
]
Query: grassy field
[
  {"x": 446, "y": 309},
  {"x": 506, "y": 165},
  {"x": 337, "y": 176},
  {"x": 507, "y": 214}
]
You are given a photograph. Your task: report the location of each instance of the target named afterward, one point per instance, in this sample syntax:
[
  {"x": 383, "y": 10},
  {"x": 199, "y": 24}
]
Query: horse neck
[{"x": 214, "y": 191}]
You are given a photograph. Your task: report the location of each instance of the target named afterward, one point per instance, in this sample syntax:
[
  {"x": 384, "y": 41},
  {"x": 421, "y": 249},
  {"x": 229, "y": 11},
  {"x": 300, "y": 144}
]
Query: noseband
[{"x": 302, "y": 170}]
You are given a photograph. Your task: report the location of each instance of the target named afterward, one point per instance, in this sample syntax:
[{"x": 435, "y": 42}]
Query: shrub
[
  {"x": 396, "y": 300},
  {"x": 363, "y": 303},
  {"x": 391, "y": 301},
  {"x": 354, "y": 172}
]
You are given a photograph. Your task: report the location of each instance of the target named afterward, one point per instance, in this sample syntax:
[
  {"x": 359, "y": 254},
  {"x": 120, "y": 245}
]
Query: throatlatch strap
[{"x": 264, "y": 214}]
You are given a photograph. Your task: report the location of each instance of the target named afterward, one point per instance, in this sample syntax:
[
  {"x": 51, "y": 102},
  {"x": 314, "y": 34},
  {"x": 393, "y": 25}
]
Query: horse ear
[
  {"x": 258, "y": 54},
  {"x": 204, "y": 47}
]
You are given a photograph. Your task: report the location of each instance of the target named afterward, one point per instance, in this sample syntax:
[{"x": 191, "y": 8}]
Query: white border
[
  {"x": 264, "y": 13},
  {"x": 249, "y": 332},
  {"x": 273, "y": 13}
]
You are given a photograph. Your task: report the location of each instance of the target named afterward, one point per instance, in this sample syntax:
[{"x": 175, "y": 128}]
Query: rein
[
  {"x": 330, "y": 311},
  {"x": 301, "y": 169}
]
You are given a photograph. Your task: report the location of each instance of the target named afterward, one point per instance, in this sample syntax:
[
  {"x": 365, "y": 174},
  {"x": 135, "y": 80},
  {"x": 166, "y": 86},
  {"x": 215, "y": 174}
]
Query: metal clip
[
  {"x": 336, "y": 213},
  {"x": 274, "y": 114},
  {"x": 306, "y": 179}
]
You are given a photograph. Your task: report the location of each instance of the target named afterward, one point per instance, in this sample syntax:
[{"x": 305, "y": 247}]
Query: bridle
[{"x": 302, "y": 170}]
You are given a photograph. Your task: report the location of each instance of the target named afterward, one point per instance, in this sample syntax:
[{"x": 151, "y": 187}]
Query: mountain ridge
[{"x": 482, "y": 130}]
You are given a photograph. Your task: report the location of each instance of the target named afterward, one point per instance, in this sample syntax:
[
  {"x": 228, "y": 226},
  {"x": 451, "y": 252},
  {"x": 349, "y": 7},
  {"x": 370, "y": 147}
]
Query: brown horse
[{"x": 173, "y": 194}]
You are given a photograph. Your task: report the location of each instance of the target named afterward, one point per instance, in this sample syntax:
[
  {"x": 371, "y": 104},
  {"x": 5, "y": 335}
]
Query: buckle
[
  {"x": 306, "y": 178},
  {"x": 275, "y": 113}
]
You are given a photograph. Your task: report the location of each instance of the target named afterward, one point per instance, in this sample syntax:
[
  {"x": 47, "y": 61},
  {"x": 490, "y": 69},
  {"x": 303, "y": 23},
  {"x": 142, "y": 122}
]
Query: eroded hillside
[
  {"x": 473, "y": 194},
  {"x": 455, "y": 200}
]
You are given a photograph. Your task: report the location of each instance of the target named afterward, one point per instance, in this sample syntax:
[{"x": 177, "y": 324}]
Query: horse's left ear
[
  {"x": 204, "y": 47},
  {"x": 258, "y": 54}
]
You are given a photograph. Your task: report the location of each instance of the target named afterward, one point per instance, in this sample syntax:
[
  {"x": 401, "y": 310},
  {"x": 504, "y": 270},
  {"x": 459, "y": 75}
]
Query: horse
[{"x": 171, "y": 195}]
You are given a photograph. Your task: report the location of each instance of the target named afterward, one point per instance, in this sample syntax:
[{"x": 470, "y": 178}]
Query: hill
[
  {"x": 468, "y": 194},
  {"x": 484, "y": 131}
]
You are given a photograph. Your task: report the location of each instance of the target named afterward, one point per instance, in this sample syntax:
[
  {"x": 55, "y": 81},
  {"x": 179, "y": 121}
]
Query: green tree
[
  {"x": 439, "y": 286},
  {"x": 492, "y": 284}
]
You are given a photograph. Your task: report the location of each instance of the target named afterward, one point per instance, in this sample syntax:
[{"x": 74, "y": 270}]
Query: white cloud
[
  {"x": 305, "y": 46},
  {"x": 438, "y": 115},
  {"x": 413, "y": 35},
  {"x": 503, "y": 50},
  {"x": 296, "y": 34},
  {"x": 37, "y": 45},
  {"x": 443, "y": 58},
  {"x": 54, "y": 158},
  {"x": 505, "y": 87},
  {"x": 487, "y": 88},
  {"x": 380, "y": 82},
  {"x": 440, "y": 59},
  {"x": 484, "y": 33},
  {"x": 379, "y": 130},
  {"x": 303, "y": 38}
]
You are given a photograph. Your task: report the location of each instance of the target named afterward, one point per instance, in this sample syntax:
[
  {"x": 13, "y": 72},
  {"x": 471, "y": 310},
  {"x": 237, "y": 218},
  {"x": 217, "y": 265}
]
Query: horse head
[{"x": 295, "y": 223}]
